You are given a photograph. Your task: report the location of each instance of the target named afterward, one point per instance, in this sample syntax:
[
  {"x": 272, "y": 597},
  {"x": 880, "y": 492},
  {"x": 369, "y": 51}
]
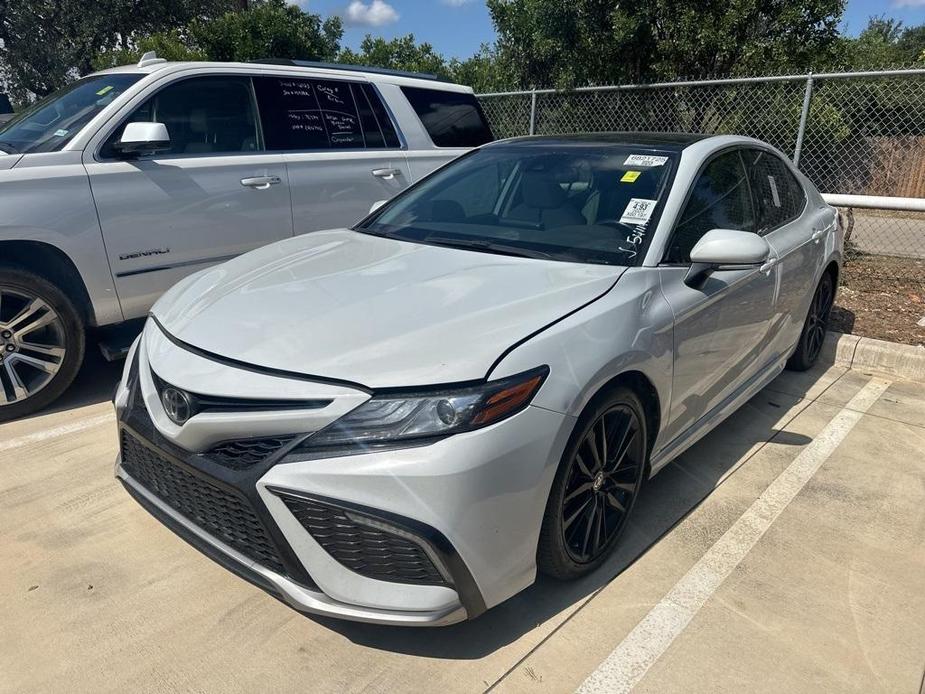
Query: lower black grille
[
  {"x": 225, "y": 515},
  {"x": 242, "y": 454},
  {"x": 370, "y": 551}
]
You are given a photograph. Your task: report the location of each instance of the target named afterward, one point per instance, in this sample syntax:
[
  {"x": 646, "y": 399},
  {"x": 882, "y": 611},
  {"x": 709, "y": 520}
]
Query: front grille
[
  {"x": 245, "y": 453},
  {"x": 370, "y": 551},
  {"x": 223, "y": 514}
]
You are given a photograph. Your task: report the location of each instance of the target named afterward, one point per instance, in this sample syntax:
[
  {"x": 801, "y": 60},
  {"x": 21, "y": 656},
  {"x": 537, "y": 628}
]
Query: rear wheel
[
  {"x": 814, "y": 329},
  {"x": 595, "y": 488},
  {"x": 41, "y": 342}
]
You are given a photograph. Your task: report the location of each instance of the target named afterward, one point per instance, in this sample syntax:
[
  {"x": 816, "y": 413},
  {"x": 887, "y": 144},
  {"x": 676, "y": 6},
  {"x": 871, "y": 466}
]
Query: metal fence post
[
  {"x": 533, "y": 111},
  {"x": 804, "y": 114}
]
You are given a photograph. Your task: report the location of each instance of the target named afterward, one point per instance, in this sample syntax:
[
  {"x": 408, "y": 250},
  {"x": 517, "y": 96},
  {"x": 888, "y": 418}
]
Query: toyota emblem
[{"x": 177, "y": 405}]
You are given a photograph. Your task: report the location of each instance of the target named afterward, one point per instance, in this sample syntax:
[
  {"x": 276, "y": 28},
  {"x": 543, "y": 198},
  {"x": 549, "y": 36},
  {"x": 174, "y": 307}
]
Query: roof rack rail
[{"x": 355, "y": 68}]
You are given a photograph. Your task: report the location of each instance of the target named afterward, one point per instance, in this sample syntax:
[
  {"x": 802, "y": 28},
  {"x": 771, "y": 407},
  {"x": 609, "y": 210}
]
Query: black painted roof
[{"x": 666, "y": 141}]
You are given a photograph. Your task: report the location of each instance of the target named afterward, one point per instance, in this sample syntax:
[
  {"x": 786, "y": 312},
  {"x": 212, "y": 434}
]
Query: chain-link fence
[{"x": 852, "y": 133}]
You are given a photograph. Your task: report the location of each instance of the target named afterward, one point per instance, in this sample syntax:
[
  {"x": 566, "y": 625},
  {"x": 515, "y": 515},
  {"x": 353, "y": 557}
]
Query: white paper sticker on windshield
[
  {"x": 644, "y": 160},
  {"x": 638, "y": 211},
  {"x": 60, "y": 132}
]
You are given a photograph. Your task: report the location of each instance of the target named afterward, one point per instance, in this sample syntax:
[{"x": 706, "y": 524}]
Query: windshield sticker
[
  {"x": 774, "y": 194},
  {"x": 61, "y": 132},
  {"x": 644, "y": 160},
  {"x": 638, "y": 211},
  {"x": 630, "y": 176},
  {"x": 104, "y": 90}
]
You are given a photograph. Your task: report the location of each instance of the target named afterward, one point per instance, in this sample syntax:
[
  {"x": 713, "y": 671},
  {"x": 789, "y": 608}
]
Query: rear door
[
  {"x": 721, "y": 326},
  {"x": 341, "y": 149},
  {"x": 796, "y": 232},
  {"x": 215, "y": 194}
]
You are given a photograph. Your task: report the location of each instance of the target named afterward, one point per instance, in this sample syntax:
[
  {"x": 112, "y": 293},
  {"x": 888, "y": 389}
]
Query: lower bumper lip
[{"x": 296, "y": 596}]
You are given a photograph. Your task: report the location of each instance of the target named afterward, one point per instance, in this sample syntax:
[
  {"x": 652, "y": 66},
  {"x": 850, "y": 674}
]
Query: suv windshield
[
  {"x": 581, "y": 203},
  {"x": 49, "y": 124}
]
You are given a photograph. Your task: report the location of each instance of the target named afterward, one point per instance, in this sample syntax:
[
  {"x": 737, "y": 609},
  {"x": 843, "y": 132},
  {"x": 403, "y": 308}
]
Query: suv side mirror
[
  {"x": 143, "y": 138},
  {"x": 726, "y": 249}
]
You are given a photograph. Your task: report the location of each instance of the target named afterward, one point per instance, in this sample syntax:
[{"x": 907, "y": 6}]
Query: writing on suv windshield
[
  {"x": 51, "y": 123},
  {"x": 571, "y": 203}
]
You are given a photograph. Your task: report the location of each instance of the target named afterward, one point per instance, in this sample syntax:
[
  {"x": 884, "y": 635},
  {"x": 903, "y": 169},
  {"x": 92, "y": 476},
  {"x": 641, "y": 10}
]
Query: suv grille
[
  {"x": 225, "y": 515},
  {"x": 367, "y": 550},
  {"x": 242, "y": 454}
]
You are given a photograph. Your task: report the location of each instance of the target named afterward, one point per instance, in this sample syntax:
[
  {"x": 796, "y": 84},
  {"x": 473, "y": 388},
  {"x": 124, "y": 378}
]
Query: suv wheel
[
  {"x": 41, "y": 342},
  {"x": 595, "y": 487}
]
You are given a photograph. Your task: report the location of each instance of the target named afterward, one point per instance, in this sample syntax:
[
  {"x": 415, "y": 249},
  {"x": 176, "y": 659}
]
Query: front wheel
[
  {"x": 41, "y": 342},
  {"x": 814, "y": 329},
  {"x": 595, "y": 488}
]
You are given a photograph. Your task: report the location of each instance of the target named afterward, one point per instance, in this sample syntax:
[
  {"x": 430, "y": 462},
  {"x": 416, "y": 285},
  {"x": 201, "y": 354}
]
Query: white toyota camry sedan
[{"x": 405, "y": 421}]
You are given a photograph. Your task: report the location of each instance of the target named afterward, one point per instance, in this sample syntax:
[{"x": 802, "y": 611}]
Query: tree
[
  {"x": 552, "y": 43},
  {"x": 401, "y": 53},
  {"x": 886, "y": 43},
  {"x": 267, "y": 29},
  {"x": 46, "y": 43}
]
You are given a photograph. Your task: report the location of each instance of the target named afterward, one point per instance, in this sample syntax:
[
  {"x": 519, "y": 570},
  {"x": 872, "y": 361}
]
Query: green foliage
[
  {"x": 171, "y": 45},
  {"x": 551, "y": 43},
  {"x": 886, "y": 43},
  {"x": 46, "y": 43},
  {"x": 401, "y": 53}
]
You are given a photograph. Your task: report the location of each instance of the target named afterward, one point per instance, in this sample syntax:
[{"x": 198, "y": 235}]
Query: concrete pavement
[{"x": 96, "y": 596}]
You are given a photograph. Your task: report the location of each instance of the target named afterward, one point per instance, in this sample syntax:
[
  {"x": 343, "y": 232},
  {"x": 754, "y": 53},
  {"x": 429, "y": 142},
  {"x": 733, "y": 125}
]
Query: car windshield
[
  {"x": 582, "y": 203},
  {"x": 49, "y": 124}
]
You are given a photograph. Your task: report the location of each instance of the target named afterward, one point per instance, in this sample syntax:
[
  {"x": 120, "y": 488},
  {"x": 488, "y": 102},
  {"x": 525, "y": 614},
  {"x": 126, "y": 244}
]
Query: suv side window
[
  {"x": 203, "y": 115},
  {"x": 779, "y": 197},
  {"x": 452, "y": 119},
  {"x": 308, "y": 114},
  {"x": 719, "y": 199}
]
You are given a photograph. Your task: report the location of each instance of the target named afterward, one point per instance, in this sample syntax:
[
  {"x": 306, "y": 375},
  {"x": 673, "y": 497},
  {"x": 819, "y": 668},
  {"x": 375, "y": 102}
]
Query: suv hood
[{"x": 374, "y": 311}]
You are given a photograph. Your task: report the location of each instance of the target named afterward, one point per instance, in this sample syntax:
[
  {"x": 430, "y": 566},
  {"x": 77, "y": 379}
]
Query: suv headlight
[{"x": 403, "y": 418}]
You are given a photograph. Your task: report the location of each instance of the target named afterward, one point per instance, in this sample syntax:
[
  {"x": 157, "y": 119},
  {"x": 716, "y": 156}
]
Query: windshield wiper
[
  {"x": 487, "y": 246},
  {"x": 8, "y": 148}
]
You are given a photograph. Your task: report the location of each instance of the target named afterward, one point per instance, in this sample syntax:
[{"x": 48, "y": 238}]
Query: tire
[
  {"x": 564, "y": 551},
  {"x": 42, "y": 342},
  {"x": 815, "y": 326}
]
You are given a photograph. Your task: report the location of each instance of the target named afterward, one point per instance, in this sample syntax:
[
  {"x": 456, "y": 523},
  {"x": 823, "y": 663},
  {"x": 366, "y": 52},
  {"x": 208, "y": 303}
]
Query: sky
[{"x": 456, "y": 28}]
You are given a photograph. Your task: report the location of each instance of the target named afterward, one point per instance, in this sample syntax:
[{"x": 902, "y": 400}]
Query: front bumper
[{"x": 473, "y": 503}]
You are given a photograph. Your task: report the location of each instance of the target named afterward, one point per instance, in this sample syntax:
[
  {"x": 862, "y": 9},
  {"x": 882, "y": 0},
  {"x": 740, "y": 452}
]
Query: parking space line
[
  {"x": 69, "y": 428},
  {"x": 628, "y": 663}
]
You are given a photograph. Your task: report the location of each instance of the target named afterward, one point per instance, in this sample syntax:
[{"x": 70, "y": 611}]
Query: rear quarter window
[{"x": 452, "y": 119}]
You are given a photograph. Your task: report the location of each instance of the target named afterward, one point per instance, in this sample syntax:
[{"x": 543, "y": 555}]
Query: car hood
[{"x": 374, "y": 311}]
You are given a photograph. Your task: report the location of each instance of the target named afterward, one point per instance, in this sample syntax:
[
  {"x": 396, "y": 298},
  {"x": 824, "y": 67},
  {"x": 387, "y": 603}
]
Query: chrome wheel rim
[
  {"x": 818, "y": 319},
  {"x": 602, "y": 483},
  {"x": 32, "y": 345}
]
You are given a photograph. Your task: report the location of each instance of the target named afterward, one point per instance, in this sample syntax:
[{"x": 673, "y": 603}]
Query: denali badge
[{"x": 177, "y": 405}]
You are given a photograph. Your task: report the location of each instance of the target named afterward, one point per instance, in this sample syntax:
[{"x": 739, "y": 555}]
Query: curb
[{"x": 856, "y": 352}]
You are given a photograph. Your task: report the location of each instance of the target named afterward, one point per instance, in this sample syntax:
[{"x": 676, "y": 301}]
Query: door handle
[
  {"x": 768, "y": 266},
  {"x": 261, "y": 182},
  {"x": 387, "y": 174},
  {"x": 818, "y": 234}
]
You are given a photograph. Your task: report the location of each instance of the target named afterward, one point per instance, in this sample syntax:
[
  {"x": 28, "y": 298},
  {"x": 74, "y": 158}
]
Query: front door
[
  {"x": 216, "y": 193},
  {"x": 721, "y": 326}
]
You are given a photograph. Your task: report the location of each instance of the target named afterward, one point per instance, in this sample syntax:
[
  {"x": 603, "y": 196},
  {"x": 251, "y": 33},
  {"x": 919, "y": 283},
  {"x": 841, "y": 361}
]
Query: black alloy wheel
[{"x": 814, "y": 329}]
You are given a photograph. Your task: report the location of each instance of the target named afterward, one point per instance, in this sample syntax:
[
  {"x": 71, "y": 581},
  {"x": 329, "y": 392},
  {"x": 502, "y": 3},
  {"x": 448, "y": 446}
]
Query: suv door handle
[
  {"x": 768, "y": 266},
  {"x": 387, "y": 174},
  {"x": 261, "y": 182}
]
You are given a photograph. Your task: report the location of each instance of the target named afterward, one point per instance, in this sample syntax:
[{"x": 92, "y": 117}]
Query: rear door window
[
  {"x": 719, "y": 199},
  {"x": 452, "y": 119},
  {"x": 779, "y": 197},
  {"x": 312, "y": 114}
]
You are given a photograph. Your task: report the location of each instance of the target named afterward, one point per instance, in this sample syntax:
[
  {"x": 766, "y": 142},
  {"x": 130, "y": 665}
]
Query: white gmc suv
[{"x": 122, "y": 183}]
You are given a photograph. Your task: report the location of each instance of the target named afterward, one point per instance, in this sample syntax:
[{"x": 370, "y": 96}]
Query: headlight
[{"x": 420, "y": 417}]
